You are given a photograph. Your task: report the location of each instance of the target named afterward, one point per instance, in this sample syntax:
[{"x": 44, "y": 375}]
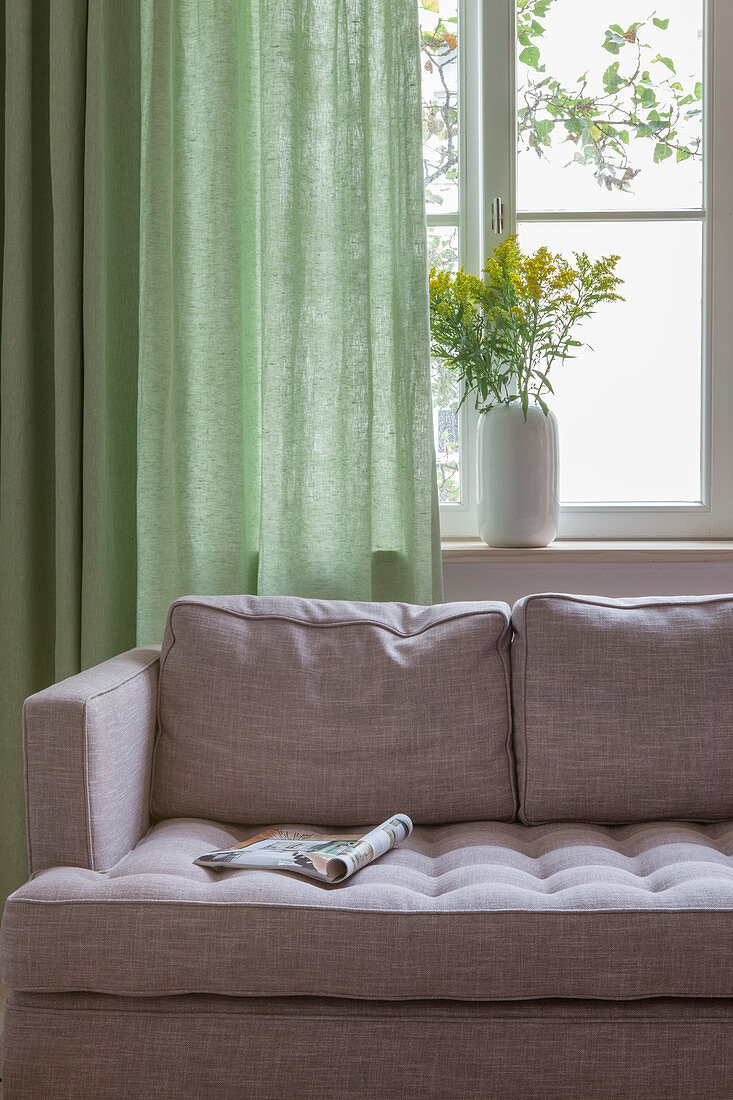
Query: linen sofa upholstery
[
  {"x": 623, "y": 709},
  {"x": 394, "y": 704},
  {"x": 88, "y": 745},
  {"x": 308, "y": 1048},
  {"x": 474, "y": 911},
  {"x": 484, "y": 958}
]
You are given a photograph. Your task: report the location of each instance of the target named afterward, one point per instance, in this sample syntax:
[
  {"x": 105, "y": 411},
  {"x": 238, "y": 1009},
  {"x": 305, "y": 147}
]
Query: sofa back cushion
[
  {"x": 277, "y": 709},
  {"x": 623, "y": 709}
]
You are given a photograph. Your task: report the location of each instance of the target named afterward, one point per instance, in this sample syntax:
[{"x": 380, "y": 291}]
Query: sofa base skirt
[{"x": 92, "y": 1046}]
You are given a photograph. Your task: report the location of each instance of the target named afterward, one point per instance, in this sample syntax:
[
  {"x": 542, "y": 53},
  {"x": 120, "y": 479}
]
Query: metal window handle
[{"x": 497, "y": 215}]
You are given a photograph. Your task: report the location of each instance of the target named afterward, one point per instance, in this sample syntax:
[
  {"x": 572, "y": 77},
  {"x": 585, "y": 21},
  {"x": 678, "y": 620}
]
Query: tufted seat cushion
[{"x": 477, "y": 911}]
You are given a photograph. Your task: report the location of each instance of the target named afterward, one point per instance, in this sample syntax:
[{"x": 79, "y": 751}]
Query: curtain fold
[
  {"x": 283, "y": 264},
  {"x": 214, "y": 348},
  {"x": 198, "y": 442},
  {"x": 110, "y": 329},
  {"x": 68, "y": 369}
]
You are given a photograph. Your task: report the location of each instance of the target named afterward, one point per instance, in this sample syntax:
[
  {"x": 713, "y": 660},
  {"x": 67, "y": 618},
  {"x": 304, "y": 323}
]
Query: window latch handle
[{"x": 497, "y": 215}]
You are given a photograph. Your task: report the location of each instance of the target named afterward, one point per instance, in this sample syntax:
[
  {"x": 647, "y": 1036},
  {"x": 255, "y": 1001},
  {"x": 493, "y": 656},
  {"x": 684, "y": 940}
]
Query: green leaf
[
  {"x": 683, "y": 154},
  {"x": 661, "y": 23},
  {"x": 611, "y": 79},
  {"x": 543, "y": 129},
  {"x": 525, "y": 403},
  {"x": 531, "y": 56},
  {"x": 614, "y": 39},
  {"x": 666, "y": 61},
  {"x": 698, "y": 90},
  {"x": 545, "y": 379},
  {"x": 541, "y": 403},
  {"x": 661, "y": 152},
  {"x": 624, "y": 135}
]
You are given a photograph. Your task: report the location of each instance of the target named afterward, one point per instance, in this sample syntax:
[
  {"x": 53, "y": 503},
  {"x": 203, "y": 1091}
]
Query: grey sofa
[{"x": 559, "y": 924}]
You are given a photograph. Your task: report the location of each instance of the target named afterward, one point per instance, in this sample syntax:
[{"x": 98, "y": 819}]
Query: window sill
[{"x": 591, "y": 550}]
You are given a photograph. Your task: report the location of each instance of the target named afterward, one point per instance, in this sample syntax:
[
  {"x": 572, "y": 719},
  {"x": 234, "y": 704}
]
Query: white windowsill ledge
[{"x": 591, "y": 550}]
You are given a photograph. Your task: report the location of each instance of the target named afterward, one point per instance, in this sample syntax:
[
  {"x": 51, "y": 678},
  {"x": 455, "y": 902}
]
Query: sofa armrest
[{"x": 88, "y": 747}]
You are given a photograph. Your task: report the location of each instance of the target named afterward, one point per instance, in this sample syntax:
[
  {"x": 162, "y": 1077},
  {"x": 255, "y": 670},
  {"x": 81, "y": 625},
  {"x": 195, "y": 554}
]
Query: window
[{"x": 627, "y": 151}]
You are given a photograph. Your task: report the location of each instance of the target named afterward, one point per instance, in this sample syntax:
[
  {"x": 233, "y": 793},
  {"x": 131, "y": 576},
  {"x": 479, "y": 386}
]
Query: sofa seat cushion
[{"x": 477, "y": 911}]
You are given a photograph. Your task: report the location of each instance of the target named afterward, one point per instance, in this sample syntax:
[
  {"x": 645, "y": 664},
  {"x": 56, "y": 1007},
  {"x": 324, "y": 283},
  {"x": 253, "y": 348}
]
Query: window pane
[
  {"x": 629, "y": 411},
  {"x": 443, "y": 252},
  {"x": 443, "y": 246},
  {"x": 609, "y": 105},
  {"x": 439, "y": 57}
]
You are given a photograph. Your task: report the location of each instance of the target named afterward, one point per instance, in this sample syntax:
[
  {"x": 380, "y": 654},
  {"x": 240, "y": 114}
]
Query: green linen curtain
[
  {"x": 68, "y": 358},
  {"x": 215, "y": 351},
  {"x": 285, "y": 439}
]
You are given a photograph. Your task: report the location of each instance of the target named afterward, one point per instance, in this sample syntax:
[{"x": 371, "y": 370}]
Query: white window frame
[{"x": 487, "y": 124}]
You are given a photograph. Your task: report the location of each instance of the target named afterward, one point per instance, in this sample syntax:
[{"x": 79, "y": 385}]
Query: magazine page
[
  {"x": 373, "y": 844},
  {"x": 323, "y": 856}
]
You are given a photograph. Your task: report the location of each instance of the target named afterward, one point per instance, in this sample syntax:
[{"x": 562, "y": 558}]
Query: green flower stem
[{"x": 504, "y": 332}]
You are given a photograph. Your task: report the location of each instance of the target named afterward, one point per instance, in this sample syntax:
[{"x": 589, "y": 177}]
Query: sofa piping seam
[
  {"x": 505, "y": 658},
  {"x": 336, "y": 910},
  {"x": 448, "y": 1018},
  {"x": 347, "y": 995},
  {"x": 158, "y": 724},
  {"x": 26, "y": 784},
  {"x": 87, "y": 792},
  {"x": 612, "y": 603},
  {"x": 343, "y": 622},
  {"x": 525, "y": 663},
  {"x": 121, "y": 683}
]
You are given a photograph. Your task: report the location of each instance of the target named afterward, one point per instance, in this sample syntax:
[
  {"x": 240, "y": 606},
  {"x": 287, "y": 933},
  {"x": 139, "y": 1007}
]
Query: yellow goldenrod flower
[{"x": 502, "y": 333}]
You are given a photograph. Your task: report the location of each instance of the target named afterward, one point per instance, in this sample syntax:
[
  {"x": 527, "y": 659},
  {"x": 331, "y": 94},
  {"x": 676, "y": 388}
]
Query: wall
[{"x": 504, "y": 581}]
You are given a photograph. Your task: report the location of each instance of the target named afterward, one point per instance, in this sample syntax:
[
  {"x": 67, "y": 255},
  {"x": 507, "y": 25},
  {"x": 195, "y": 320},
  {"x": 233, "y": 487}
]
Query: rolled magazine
[{"x": 327, "y": 857}]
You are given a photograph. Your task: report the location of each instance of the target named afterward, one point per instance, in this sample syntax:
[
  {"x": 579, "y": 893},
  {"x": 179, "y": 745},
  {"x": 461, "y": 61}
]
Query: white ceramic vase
[{"x": 517, "y": 477}]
